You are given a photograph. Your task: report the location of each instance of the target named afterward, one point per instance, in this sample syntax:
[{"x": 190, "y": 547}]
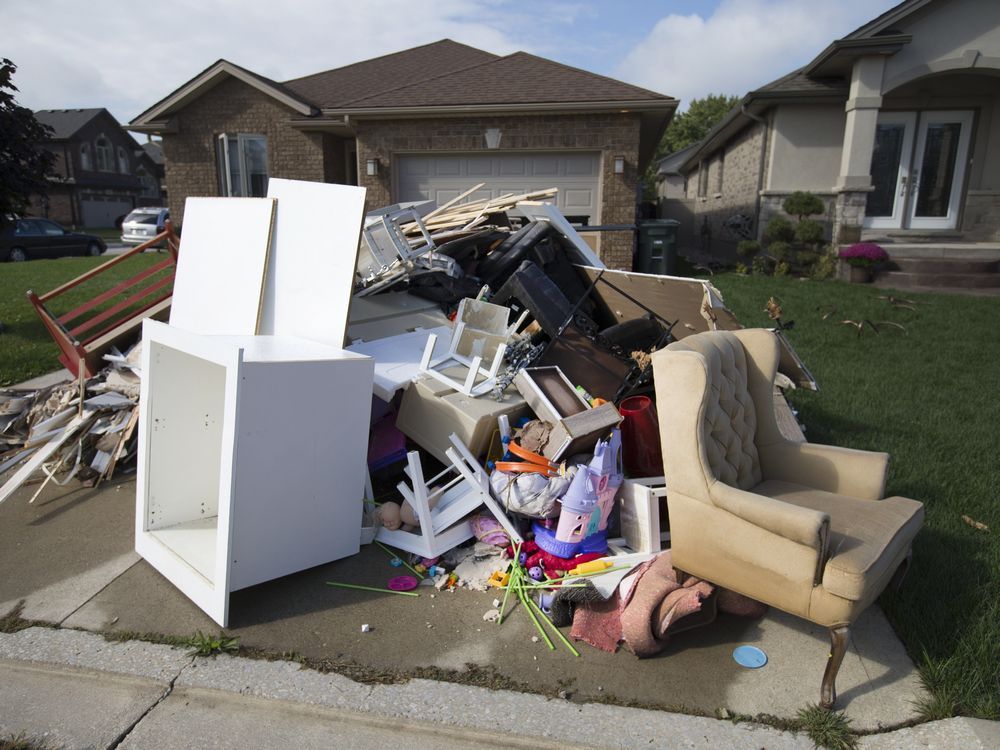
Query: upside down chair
[{"x": 799, "y": 526}]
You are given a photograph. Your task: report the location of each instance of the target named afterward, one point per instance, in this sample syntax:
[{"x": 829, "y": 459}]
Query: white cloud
[
  {"x": 741, "y": 46},
  {"x": 127, "y": 57}
]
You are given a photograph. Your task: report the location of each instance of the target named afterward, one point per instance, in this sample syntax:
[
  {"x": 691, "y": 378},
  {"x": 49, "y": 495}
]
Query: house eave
[
  {"x": 208, "y": 79},
  {"x": 838, "y": 58},
  {"x": 156, "y": 127},
  {"x": 633, "y": 105}
]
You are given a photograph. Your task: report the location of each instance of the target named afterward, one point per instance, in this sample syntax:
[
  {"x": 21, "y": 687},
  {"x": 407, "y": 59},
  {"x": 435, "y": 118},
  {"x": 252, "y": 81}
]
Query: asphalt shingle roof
[
  {"x": 65, "y": 122},
  {"x": 333, "y": 88},
  {"x": 519, "y": 78},
  {"x": 797, "y": 82}
]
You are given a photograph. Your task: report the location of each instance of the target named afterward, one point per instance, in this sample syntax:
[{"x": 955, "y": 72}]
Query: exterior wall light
[
  {"x": 371, "y": 167},
  {"x": 619, "y": 165}
]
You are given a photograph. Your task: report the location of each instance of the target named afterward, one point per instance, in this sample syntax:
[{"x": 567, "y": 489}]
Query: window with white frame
[
  {"x": 122, "y": 160},
  {"x": 105, "y": 155},
  {"x": 85, "y": 162},
  {"x": 242, "y": 165}
]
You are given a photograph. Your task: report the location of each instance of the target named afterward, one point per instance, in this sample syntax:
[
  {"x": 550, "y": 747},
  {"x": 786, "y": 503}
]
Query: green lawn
[
  {"x": 26, "y": 349},
  {"x": 929, "y": 397}
]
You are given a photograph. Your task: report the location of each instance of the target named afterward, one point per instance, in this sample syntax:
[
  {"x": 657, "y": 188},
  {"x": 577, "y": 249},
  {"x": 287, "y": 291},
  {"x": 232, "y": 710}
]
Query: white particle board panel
[
  {"x": 397, "y": 359},
  {"x": 314, "y": 252},
  {"x": 221, "y": 265},
  {"x": 251, "y": 463}
]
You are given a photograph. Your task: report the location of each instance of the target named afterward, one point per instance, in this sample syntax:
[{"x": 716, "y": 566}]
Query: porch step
[
  {"x": 909, "y": 280},
  {"x": 945, "y": 268},
  {"x": 958, "y": 266}
]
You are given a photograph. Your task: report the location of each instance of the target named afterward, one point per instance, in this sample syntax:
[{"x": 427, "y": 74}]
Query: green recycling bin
[{"x": 658, "y": 247}]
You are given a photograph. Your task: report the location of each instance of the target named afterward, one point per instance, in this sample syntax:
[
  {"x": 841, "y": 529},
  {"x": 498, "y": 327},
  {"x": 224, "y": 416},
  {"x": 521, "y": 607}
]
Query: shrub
[
  {"x": 779, "y": 250},
  {"x": 825, "y": 264},
  {"x": 802, "y": 204},
  {"x": 809, "y": 231},
  {"x": 747, "y": 248},
  {"x": 761, "y": 265},
  {"x": 782, "y": 269},
  {"x": 779, "y": 229},
  {"x": 741, "y": 269}
]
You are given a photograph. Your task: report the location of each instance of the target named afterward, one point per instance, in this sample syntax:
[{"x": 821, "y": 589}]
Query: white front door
[{"x": 918, "y": 169}]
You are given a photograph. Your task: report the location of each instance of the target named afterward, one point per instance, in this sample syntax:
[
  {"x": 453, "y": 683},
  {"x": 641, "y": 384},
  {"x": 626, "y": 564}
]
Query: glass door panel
[
  {"x": 939, "y": 169},
  {"x": 890, "y": 169}
]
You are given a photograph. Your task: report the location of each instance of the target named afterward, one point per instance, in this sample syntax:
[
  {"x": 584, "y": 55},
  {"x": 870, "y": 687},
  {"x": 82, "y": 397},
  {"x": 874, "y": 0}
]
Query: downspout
[{"x": 760, "y": 165}]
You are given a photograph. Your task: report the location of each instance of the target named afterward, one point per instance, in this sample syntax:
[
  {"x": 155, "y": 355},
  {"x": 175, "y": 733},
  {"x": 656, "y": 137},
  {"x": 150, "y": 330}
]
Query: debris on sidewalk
[{"x": 476, "y": 369}]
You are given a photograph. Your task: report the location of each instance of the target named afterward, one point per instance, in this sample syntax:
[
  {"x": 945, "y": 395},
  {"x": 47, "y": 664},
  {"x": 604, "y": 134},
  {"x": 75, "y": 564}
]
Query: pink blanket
[{"x": 651, "y": 605}]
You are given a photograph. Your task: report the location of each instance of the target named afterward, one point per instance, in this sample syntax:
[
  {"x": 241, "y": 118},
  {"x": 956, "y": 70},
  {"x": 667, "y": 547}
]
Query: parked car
[
  {"x": 24, "y": 239},
  {"x": 142, "y": 224}
]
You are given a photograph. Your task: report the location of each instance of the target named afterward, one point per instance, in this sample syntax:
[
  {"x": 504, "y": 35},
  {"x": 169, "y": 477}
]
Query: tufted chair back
[{"x": 729, "y": 419}]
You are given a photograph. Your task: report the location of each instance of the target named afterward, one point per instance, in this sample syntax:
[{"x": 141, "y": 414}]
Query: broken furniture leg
[{"x": 430, "y": 366}]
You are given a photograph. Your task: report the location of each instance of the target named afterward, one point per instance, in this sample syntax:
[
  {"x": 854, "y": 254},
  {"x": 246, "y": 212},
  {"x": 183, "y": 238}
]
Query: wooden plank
[
  {"x": 444, "y": 207},
  {"x": 42, "y": 455},
  {"x": 220, "y": 274},
  {"x": 314, "y": 253}
]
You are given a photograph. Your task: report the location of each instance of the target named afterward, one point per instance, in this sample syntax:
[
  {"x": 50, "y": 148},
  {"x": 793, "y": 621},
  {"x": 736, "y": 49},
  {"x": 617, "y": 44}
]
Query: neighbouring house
[
  {"x": 428, "y": 122},
  {"x": 896, "y": 127},
  {"x": 100, "y": 172}
]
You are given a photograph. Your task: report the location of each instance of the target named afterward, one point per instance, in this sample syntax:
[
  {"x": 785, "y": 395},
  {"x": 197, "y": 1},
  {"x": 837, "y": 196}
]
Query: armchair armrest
[
  {"x": 802, "y": 525},
  {"x": 844, "y": 471}
]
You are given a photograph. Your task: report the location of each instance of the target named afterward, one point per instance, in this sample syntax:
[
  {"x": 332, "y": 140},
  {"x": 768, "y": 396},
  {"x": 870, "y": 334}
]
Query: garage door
[
  {"x": 100, "y": 211},
  {"x": 441, "y": 177}
]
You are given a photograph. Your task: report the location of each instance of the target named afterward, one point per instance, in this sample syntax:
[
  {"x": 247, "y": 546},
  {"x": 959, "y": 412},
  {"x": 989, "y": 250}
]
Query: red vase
[{"x": 641, "y": 452}]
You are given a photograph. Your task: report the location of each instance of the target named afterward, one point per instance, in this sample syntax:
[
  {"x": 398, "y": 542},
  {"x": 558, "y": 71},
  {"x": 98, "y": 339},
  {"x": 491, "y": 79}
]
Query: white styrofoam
[
  {"x": 251, "y": 464},
  {"x": 314, "y": 252},
  {"x": 221, "y": 265}
]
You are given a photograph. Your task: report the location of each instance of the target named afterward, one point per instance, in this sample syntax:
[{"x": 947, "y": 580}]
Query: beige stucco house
[
  {"x": 896, "y": 127},
  {"x": 427, "y": 122}
]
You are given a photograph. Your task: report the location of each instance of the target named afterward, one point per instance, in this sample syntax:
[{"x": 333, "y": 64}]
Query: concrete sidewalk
[
  {"x": 63, "y": 688},
  {"x": 68, "y": 561}
]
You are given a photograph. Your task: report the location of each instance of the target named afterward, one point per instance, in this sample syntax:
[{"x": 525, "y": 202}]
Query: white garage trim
[{"x": 441, "y": 176}]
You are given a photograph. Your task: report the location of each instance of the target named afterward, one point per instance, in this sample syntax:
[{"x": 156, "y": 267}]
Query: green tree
[
  {"x": 23, "y": 164},
  {"x": 693, "y": 124}
]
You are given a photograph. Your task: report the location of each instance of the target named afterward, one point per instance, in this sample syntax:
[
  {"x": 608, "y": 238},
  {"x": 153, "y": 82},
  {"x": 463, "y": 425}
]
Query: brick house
[
  {"x": 896, "y": 127},
  {"x": 428, "y": 122},
  {"x": 100, "y": 172}
]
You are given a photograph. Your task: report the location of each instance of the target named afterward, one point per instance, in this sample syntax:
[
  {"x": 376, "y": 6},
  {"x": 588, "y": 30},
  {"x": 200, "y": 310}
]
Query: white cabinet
[{"x": 251, "y": 458}]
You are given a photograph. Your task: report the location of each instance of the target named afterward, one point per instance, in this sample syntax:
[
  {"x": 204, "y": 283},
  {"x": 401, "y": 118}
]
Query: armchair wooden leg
[
  {"x": 900, "y": 575},
  {"x": 838, "y": 647}
]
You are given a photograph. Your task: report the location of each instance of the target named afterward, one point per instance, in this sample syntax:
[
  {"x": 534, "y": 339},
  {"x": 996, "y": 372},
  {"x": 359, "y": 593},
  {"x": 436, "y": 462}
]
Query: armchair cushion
[{"x": 866, "y": 538}]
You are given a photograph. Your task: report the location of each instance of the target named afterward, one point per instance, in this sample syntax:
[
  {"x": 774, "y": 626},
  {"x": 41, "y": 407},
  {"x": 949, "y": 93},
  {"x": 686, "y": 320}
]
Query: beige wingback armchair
[{"x": 799, "y": 526}]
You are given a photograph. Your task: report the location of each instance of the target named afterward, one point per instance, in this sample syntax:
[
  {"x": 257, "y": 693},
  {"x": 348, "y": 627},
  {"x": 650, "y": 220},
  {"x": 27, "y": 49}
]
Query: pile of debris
[
  {"x": 508, "y": 374},
  {"x": 71, "y": 431}
]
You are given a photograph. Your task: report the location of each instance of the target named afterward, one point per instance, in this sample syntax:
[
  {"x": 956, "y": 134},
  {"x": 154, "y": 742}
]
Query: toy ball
[
  {"x": 522, "y": 558},
  {"x": 395, "y": 562},
  {"x": 536, "y": 573}
]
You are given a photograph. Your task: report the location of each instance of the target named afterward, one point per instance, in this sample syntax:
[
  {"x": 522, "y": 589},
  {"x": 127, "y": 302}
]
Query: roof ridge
[
  {"x": 383, "y": 57},
  {"x": 422, "y": 81}
]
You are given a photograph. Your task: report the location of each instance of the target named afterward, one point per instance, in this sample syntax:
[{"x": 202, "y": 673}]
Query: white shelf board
[
  {"x": 221, "y": 265},
  {"x": 194, "y": 542},
  {"x": 314, "y": 252}
]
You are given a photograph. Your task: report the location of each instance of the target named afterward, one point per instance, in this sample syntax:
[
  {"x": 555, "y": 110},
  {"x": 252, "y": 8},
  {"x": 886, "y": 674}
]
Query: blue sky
[{"x": 107, "y": 53}]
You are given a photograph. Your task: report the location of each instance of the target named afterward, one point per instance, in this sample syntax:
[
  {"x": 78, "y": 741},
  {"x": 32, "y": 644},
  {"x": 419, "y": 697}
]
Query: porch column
[{"x": 855, "y": 182}]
